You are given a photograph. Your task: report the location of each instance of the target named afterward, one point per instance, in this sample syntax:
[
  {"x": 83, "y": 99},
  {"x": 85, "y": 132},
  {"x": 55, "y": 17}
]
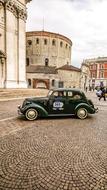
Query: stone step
[{"x": 15, "y": 93}]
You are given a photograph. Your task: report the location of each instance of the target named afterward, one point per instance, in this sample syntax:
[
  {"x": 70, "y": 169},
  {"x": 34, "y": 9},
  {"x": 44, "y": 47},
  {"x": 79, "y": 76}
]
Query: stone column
[
  {"x": 14, "y": 15},
  {"x": 2, "y": 45}
]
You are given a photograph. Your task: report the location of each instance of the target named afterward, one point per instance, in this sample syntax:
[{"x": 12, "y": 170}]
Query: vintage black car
[{"x": 58, "y": 102}]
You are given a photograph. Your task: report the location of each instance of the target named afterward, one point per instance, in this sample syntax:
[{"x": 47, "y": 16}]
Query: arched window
[
  {"x": 29, "y": 82},
  {"x": 61, "y": 44},
  {"x": 102, "y": 66},
  {"x": 53, "y": 82},
  {"x": 101, "y": 74},
  {"x": 45, "y": 41},
  {"x": 37, "y": 40},
  {"x": 66, "y": 46},
  {"x": 46, "y": 62},
  {"x": 27, "y": 61},
  {"x": 53, "y": 42},
  {"x": 29, "y": 42}
]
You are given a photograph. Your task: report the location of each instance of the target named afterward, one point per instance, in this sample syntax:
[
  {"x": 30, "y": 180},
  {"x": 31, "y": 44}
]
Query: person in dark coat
[{"x": 103, "y": 91}]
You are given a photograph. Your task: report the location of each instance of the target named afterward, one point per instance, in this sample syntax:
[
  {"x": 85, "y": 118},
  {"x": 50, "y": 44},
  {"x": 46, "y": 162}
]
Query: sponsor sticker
[{"x": 58, "y": 105}]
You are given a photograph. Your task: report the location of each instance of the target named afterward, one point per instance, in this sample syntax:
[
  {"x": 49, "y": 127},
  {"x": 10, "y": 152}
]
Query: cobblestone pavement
[{"x": 53, "y": 154}]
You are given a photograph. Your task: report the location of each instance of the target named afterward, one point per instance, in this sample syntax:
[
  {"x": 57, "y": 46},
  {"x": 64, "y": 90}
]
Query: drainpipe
[
  {"x": 5, "y": 43},
  {"x": 18, "y": 48}
]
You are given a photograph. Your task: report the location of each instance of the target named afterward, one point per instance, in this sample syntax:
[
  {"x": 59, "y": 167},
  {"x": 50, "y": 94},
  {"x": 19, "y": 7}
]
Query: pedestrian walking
[
  {"x": 86, "y": 88},
  {"x": 103, "y": 91}
]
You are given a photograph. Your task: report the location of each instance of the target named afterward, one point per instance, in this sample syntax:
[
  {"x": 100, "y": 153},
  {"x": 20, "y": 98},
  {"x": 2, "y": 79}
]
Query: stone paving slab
[{"x": 54, "y": 154}]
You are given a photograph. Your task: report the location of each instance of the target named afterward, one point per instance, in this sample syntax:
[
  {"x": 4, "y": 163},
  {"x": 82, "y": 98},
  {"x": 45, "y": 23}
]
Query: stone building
[
  {"x": 70, "y": 75},
  {"x": 48, "y": 49},
  {"x": 97, "y": 71},
  {"x": 12, "y": 43},
  {"x": 49, "y": 61},
  {"x": 85, "y": 76}
]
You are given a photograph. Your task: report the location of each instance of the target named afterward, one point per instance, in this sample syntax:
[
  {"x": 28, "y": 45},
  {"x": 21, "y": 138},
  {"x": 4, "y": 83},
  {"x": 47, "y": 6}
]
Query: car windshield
[{"x": 49, "y": 93}]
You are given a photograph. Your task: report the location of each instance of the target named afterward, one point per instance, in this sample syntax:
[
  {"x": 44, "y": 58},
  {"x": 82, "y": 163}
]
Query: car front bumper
[
  {"x": 96, "y": 110},
  {"x": 19, "y": 110}
]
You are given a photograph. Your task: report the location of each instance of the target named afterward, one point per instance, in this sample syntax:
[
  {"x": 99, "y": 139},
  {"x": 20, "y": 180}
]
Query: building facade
[
  {"x": 85, "y": 76},
  {"x": 70, "y": 76},
  {"x": 97, "y": 69},
  {"x": 46, "y": 53},
  {"x": 48, "y": 49},
  {"x": 12, "y": 43}
]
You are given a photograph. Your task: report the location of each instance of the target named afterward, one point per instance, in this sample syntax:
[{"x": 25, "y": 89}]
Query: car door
[
  {"x": 57, "y": 103},
  {"x": 73, "y": 99}
]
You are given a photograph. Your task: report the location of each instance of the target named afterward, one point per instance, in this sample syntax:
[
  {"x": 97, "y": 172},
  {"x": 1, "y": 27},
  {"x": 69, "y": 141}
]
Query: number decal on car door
[{"x": 58, "y": 105}]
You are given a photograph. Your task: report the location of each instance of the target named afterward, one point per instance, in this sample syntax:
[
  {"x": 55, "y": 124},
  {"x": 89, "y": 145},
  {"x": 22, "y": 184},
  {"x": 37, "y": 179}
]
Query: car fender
[
  {"x": 39, "y": 108},
  {"x": 86, "y": 106}
]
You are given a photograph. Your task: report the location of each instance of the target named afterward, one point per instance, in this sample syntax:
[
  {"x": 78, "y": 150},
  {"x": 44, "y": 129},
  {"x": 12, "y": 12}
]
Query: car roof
[{"x": 67, "y": 89}]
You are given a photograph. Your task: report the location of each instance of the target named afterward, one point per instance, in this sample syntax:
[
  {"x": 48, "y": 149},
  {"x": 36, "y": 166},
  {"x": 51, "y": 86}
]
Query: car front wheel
[
  {"x": 82, "y": 113},
  {"x": 31, "y": 114}
]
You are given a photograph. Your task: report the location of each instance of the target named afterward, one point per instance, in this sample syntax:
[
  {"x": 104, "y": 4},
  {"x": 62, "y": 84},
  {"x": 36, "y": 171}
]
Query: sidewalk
[
  {"x": 15, "y": 94},
  {"x": 102, "y": 105}
]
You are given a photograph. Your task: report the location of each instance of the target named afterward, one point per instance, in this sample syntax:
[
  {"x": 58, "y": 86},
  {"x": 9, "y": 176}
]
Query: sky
[{"x": 82, "y": 21}]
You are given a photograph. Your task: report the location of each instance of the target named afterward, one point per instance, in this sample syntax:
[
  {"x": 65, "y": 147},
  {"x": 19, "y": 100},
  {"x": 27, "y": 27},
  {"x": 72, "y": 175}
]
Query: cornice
[
  {"x": 27, "y": 1},
  {"x": 16, "y": 9}
]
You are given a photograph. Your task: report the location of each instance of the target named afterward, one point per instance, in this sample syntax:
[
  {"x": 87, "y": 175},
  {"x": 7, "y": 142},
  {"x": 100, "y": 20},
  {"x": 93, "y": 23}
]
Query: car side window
[
  {"x": 74, "y": 95},
  {"x": 59, "y": 94},
  {"x": 77, "y": 97},
  {"x": 70, "y": 94},
  {"x": 55, "y": 94}
]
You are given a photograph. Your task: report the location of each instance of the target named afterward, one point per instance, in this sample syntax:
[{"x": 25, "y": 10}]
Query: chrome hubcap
[
  {"x": 82, "y": 113},
  {"x": 31, "y": 114}
]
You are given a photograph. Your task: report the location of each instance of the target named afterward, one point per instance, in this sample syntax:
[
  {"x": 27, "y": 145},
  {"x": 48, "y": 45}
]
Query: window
[
  {"x": 70, "y": 94},
  {"x": 29, "y": 82},
  {"x": 74, "y": 95},
  {"x": 46, "y": 62},
  {"x": 102, "y": 74},
  {"x": 91, "y": 66},
  {"x": 29, "y": 42},
  {"x": 66, "y": 46},
  {"x": 95, "y": 66},
  {"x": 45, "y": 41},
  {"x": 59, "y": 94},
  {"x": 93, "y": 75},
  {"x": 37, "y": 41},
  {"x": 27, "y": 61},
  {"x": 53, "y": 82},
  {"x": 53, "y": 42},
  {"x": 61, "y": 44},
  {"x": 102, "y": 67},
  {"x": 61, "y": 84}
]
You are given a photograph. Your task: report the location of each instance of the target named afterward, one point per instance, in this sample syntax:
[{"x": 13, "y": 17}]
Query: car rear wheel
[
  {"x": 82, "y": 113},
  {"x": 31, "y": 114}
]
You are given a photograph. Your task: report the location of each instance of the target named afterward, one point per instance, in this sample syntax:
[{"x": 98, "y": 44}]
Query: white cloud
[{"x": 84, "y": 22}]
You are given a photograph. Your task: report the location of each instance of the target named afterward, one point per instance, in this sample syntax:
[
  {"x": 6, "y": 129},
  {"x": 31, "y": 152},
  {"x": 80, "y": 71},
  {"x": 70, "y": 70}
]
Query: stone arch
[{"x": 37, "y": 82}]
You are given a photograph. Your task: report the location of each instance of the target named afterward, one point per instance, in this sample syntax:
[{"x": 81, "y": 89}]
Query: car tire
[
  {"x": 82, "y": 113},
  {"x": 31, "y": 114}
]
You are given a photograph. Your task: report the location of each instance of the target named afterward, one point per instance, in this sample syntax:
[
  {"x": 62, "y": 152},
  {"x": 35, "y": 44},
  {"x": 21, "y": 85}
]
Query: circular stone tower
[{"x": 48, "y": 49}]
